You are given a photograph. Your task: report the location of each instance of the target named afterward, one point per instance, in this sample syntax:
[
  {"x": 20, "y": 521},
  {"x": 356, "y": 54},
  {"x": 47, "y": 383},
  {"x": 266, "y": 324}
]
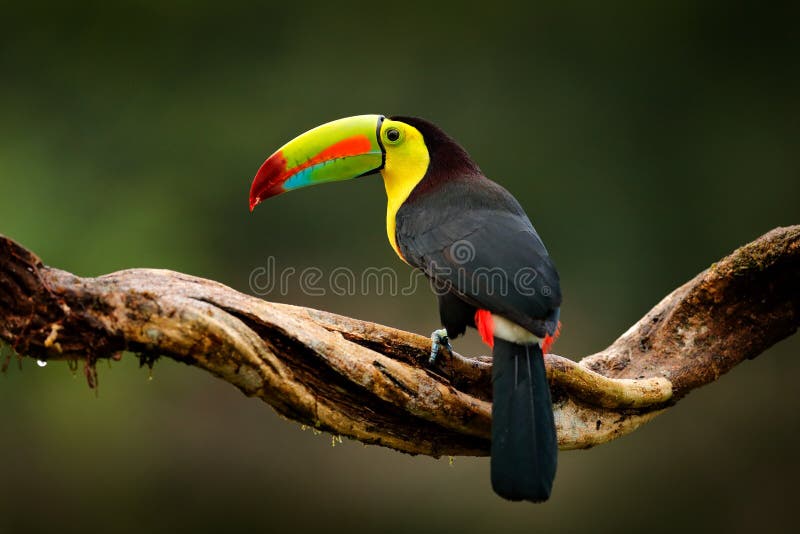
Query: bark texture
[{"x": 371, "y": 382}]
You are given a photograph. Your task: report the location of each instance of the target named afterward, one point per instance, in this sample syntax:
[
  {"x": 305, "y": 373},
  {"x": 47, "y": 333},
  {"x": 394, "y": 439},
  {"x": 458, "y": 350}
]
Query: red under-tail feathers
[
  {"x": 549, "y": 340},
  {"x": 485, "y": 325}
]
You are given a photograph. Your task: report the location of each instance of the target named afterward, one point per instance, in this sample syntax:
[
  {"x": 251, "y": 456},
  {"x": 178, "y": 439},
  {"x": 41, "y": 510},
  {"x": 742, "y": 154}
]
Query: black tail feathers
[{"x": 524, "y": 444}]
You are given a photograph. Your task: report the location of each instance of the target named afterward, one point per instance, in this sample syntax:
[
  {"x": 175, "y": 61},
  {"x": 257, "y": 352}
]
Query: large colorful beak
[{"x": 339, "y": 150}]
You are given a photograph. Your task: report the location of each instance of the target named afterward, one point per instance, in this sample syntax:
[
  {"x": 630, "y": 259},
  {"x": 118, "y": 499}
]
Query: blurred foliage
[{"x": 645, "y": 141}]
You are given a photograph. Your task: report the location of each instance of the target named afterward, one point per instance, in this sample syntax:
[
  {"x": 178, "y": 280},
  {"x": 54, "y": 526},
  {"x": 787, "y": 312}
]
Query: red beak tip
[{"x": 253, "y": 203}]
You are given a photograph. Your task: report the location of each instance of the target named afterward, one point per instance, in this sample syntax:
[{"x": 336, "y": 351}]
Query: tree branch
[{"x": 371, "y": 382}]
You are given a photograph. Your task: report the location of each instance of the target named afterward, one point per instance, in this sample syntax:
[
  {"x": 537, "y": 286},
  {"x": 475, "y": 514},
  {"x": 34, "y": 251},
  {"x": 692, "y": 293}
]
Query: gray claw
[{"x": 439, "y": 339}]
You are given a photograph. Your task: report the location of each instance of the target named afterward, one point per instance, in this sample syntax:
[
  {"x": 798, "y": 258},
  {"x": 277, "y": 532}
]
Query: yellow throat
[{"x": 407, "y": 161}]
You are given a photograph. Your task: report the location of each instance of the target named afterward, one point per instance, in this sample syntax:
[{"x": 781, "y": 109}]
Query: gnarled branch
[{"x": 371, "y": 382}]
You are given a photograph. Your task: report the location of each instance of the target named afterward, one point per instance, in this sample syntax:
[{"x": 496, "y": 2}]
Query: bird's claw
[{"x": 439, "y": 339}]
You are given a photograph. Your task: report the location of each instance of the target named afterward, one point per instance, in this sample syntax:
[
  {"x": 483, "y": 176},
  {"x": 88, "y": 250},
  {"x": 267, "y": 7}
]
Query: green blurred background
[{"x": 645, "y": 143}]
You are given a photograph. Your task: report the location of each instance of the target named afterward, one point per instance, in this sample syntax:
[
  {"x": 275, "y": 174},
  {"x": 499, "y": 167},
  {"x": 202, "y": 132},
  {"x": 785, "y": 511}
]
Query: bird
[{"x": 488, "y": 266}]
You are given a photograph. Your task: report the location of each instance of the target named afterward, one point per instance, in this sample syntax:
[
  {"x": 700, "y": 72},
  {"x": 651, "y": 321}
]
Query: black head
[{"x": 446, "y": 155}]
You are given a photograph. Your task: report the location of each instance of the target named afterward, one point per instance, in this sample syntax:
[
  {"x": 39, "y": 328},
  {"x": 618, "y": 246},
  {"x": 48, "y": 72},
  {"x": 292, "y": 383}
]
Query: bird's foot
[{"x": 439, "y": 339}]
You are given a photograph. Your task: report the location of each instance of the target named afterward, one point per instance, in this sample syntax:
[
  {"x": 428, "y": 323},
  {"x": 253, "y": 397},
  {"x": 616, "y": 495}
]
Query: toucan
[{"x": 472, "y": 239}]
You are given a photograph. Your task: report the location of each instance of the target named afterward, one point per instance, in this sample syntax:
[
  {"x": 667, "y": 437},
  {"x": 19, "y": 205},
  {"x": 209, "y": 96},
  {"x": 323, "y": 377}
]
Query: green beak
[{"x": 339, "y": 150}]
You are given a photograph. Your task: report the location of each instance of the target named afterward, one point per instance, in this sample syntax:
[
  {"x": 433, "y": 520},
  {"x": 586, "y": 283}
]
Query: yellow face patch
[{"x": 407, "y": 161}]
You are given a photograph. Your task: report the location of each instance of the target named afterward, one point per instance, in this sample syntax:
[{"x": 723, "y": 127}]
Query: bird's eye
[{"x": 393, "y": 134}]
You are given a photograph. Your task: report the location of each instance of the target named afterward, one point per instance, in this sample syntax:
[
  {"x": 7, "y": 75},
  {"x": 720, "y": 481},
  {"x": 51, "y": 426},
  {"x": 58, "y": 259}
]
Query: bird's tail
[{"x": 524, "y": 445}]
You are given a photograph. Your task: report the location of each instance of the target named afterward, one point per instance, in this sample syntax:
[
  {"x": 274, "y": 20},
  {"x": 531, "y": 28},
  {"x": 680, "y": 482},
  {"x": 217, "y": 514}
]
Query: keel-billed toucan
[{"x": 475, "y": 242}]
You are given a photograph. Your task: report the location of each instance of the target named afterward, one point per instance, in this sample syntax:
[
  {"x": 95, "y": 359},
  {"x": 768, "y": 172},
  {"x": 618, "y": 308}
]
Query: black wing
[{"x": 472, "y": 237}]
